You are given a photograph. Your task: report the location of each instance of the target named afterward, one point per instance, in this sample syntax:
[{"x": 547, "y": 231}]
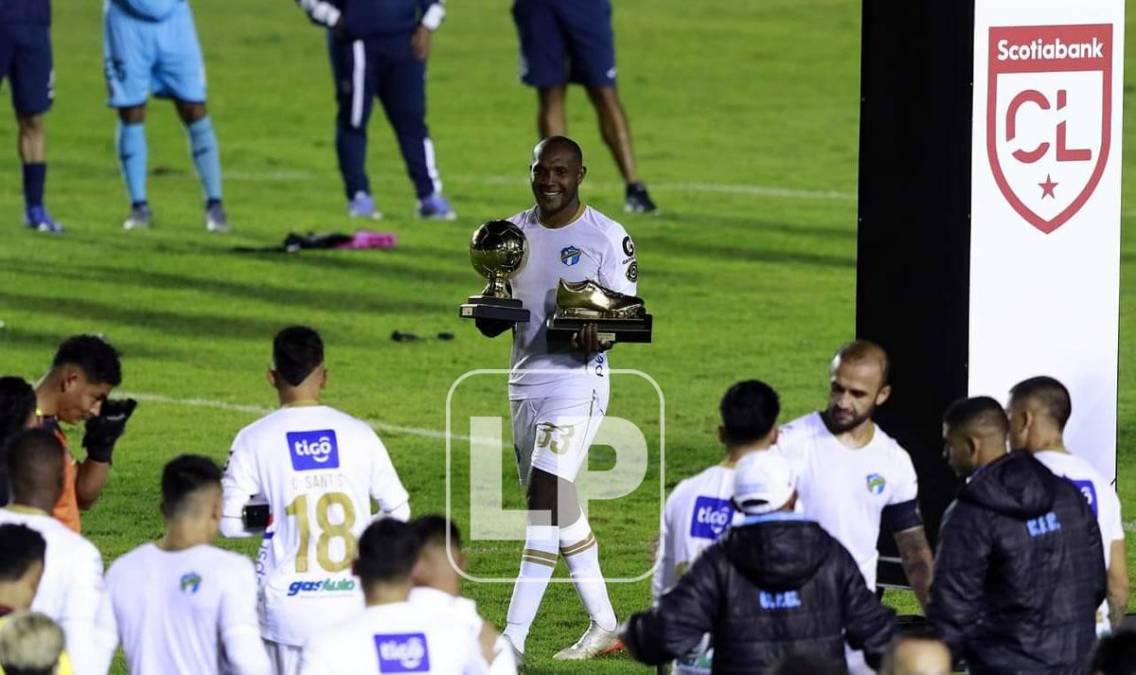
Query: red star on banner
[{"x": 1047, "y": 187}]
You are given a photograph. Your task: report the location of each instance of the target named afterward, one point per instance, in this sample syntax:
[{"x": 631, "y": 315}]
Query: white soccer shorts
[
  {"x": 285, "y": 659},
  {"x": 554, "y": 434}
]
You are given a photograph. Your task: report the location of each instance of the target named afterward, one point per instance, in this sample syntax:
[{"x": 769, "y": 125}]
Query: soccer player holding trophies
[{"x": 563, "y": 277}]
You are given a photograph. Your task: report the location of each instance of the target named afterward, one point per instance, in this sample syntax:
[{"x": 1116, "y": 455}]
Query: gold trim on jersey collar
[
  {"x": 579, "y": 215},
  {"x": 28, "y": 510}
]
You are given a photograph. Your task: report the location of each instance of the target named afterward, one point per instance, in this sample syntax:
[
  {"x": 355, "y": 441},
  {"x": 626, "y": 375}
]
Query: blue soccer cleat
[
  {"x": 436, "y": 207},
  {"x": 38, "y": 219},
  {"x": 362, "y": 205}
]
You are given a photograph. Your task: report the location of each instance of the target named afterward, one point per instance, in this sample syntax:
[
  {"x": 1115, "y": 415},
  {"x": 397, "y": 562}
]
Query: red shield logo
[{"x": 1049, "y": 117}]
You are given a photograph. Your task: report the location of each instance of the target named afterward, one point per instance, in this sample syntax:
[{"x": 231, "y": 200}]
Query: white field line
[
  {"x": 377, "y": 425},
  {"x": 521, "y": 181}
]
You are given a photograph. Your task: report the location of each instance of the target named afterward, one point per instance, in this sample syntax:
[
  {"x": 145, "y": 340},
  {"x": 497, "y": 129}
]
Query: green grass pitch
[{"x": 745, "y": 123}]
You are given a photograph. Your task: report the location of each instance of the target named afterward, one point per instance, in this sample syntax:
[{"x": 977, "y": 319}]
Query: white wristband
[{"x": 433, "y": 16}]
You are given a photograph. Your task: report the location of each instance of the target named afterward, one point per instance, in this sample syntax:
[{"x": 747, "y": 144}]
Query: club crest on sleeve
[
  {"x": 570, "y": 255},
  {"x": 633, "y": 271}
]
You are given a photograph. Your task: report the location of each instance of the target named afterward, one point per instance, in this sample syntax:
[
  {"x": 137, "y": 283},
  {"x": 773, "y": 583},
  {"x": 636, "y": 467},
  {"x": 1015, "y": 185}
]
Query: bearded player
[
  {"x": 559, "y": 393},
  {"x": 852, "y": 477}
]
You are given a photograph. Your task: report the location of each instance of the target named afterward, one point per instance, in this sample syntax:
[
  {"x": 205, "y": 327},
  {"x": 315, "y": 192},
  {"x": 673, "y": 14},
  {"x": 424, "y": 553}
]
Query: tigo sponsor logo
[
  {"x": 1088, "y": 491},
  {"x": 313, "y": 449},
  {"x": 403, "y": 653},
  {"x": 711, "y": 517}
]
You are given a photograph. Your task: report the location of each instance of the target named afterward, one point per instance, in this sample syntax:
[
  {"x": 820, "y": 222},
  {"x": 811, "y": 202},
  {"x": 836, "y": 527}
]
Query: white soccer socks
[
  {"x": 537, "y": 562},
  {"x": 578, "y": 546}
]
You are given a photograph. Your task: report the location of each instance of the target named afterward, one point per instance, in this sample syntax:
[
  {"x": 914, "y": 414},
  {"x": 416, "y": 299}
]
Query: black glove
[{"x": 104, "y": 430}]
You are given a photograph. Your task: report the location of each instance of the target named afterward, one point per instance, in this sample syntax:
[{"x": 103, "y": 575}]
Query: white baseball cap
[{"x": 763, "y": 482}]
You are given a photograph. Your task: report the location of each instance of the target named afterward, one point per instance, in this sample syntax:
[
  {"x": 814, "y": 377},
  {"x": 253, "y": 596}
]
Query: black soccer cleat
[{"x": 637, "y": 199}]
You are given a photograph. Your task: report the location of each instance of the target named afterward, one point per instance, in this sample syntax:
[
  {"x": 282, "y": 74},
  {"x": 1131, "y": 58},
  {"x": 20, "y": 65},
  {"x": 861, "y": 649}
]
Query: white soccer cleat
[
  {"x": 216, "y": 220},
  {"x": 518, "y": 655},
  {"x": 594, "y": 642},
  {"x": 140, "y": 217}
]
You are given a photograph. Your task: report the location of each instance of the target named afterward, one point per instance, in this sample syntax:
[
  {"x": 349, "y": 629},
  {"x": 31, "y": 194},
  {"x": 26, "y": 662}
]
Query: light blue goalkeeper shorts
[{"x": 144, "y": 58}]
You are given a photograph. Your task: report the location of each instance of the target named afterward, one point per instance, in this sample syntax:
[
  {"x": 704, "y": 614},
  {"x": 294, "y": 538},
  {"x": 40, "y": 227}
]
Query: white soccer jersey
[
  {"x": 72, "y": 583},
  {"x": 697, "y": 512},
  {"x": 183, "y": 611},
  {"x": 591, "y": 247},
  {"x": 1101, "y": 497},
  {"x": 401, "y": 637},
  {"x": 463, "y": 610},
  {"x": 846, "y": 489},
  {"x": 1098, "y": 492},
  {"x": 318, "y": 468}
]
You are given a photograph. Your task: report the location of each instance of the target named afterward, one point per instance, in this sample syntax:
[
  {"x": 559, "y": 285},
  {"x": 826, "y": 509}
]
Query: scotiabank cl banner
[{"x": 1045, "y": 206}]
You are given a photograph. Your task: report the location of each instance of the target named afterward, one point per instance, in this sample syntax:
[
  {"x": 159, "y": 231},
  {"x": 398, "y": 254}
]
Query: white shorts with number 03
[{"x": 554, "y": 434}]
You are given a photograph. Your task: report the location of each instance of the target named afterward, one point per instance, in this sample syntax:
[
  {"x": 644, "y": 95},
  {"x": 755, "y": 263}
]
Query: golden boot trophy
[{"x": 619, "y": 317}]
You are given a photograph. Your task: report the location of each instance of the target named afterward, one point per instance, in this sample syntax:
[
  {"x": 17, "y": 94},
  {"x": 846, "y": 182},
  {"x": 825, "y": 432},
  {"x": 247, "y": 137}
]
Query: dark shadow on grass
[
  {"x": 295, "y": 296},
  {"x": 100, "y": 314},
  {"x": 47, "y": 342},
  {"x": 738, "y": 225},
  {"x": 680, "y": 247},
  {"x": 386, "y": 265}
]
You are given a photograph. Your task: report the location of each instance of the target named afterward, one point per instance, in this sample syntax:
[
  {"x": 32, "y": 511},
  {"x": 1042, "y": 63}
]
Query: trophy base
[
  {"x": 496, "y": 309},
  {"x": 561, "y": 328}
]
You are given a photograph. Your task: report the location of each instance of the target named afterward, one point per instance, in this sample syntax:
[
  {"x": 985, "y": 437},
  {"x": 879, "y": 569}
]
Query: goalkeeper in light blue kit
[{"x": 151, "y": 47}]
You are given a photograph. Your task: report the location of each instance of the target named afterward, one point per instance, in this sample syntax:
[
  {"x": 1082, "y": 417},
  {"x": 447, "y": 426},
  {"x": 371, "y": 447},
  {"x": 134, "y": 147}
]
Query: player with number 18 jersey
[{"x": 318, "y": 470}]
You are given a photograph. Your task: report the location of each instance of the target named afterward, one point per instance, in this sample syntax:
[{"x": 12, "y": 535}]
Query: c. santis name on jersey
[{"x": 318, "y": 482}]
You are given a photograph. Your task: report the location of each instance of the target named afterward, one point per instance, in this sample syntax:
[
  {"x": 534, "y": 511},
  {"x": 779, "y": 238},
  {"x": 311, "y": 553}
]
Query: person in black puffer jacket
[
  {"x": 774, "y": 585},
  {"x": 1019, "y": 571}
]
